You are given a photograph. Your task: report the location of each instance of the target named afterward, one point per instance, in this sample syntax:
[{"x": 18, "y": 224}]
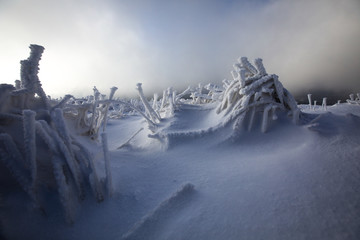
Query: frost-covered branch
[
  {"x": 29, "y": 74},
  {"x": 94, "y": 180},
  {"x": 109, "y": 186},
  {"x": 112, "y": 92},
  {"x": 254, "y": 92},
  {"x": 149, "y": 110},
  {"x": 63, "y": 101},
  {"x": 353, "y": 99},
  {"x": 30, "y": 142}
]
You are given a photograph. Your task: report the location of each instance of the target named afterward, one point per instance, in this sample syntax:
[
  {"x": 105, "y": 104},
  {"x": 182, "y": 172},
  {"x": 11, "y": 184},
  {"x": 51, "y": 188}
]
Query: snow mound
[{"x": 329, "y": 124}]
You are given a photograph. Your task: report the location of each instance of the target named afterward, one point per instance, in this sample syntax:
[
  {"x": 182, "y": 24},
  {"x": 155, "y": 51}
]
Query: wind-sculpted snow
[
  {"x": 149, "y": 224},
  {"x": 290, "y": 183},
  {"x": 328, "y": 124}
]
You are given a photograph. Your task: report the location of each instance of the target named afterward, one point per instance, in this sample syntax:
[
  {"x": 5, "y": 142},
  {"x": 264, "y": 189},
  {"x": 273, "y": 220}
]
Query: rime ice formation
[
  {"x": 309, "y": 98},
  {"x": 108, "y": 179},
  {"x": 29, "y": 75},
  {"x": 254, "y": 92},
  {"x": 353, "y": 99},
  {"x": 324, "y": 104},
  {"x": 252, "y": 98},
  {"x": 37, "y": 147},
  {"x": 150, "y": 112}
]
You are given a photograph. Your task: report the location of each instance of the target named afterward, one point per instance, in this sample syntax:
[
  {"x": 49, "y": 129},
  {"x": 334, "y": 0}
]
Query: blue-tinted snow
[{"x": 294, "y": 182}]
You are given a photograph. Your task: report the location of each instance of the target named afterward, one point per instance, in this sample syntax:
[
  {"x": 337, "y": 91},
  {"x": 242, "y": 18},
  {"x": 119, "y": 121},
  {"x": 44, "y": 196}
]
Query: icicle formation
[{"x": 254, "y": 91}]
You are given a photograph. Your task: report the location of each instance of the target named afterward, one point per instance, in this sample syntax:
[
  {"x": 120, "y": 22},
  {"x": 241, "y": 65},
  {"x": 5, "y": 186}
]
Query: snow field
[{"x": 290, "y": 183}]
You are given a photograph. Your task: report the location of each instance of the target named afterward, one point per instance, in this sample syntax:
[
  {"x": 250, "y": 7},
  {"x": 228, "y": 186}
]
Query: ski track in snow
[{"x": 294, "y": 182}]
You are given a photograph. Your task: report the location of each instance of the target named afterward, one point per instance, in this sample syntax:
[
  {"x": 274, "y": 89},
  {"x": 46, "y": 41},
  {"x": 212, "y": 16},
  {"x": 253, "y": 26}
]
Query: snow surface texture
[{"x": 292, "y": 182}]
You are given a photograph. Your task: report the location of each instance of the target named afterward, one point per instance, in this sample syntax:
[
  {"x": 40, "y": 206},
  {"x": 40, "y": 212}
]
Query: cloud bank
[{"x": 309, "y": 44}]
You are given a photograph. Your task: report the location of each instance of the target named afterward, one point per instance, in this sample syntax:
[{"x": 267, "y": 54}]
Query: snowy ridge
[{"x": 144, "y": 228}]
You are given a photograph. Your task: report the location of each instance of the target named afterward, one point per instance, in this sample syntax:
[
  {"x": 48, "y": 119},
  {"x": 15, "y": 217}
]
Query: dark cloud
[{"x": 309, "y": 44}]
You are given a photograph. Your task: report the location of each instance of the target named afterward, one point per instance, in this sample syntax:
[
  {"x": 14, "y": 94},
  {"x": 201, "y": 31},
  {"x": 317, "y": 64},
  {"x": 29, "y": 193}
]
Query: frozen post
[
  {"x": 156, "y": 98},
  {"x": 109, "y": 186},
  {"x": 260, "y": 66},
  {"x": 95, "y": 103},
  {"x": 315, "y": 102},
  {"x": 34, "y": 58},
  {"x": 30, "y": 143},
  {"x": 324, "y": 104},
  {"x": 339, "y": 101},
  {"x": 265, "y": 121},
  {"x": 149, "y": 110},
  {"x": 17, "y": 84},
  {"x": 309, "y": 98},
  {"x": 352, "y": 97},
  {"x": 170, "y": 99},
  {"x": 111, "y": 96}
]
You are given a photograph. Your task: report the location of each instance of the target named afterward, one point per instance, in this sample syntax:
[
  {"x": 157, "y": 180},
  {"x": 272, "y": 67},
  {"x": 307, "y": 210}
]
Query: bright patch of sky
[{"x": 179, "y": 43}]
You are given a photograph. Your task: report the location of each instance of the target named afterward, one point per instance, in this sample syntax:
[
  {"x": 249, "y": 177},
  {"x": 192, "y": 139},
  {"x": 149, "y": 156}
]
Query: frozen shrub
[
  {"x": 254, "y": 92},
  {"x": 150, "y": 112},
  {"x": 36, "y": 145},
  {"x": 214, "y": 92},
  {"x": 354, "y": 100}
]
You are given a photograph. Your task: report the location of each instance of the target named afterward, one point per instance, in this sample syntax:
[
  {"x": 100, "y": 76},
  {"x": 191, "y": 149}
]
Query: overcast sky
[{"x": 309, "y": 43}]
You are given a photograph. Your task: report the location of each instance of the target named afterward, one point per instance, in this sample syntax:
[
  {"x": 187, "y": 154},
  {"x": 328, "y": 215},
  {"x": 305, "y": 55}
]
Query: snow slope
[{"x": 294, "y": 182}]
